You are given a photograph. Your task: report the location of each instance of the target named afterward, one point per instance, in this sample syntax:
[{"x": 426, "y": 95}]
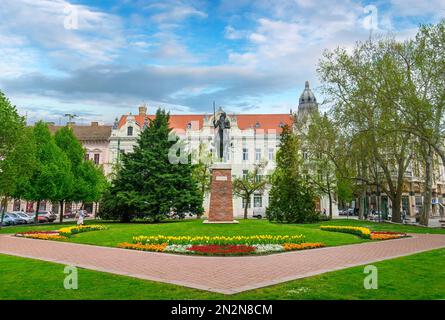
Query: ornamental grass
[{"x": 219, "y": 240}]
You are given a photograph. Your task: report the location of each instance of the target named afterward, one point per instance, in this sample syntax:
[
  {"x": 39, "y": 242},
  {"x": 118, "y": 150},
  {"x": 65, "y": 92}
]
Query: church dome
[
  {"x": 307, "y": 96},
  {"x": 308, "y": 102}
]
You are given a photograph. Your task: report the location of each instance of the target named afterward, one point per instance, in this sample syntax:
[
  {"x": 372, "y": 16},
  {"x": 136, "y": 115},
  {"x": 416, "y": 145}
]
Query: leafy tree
[
  {"x": 52, "y": 171},
  {"x": 366, "y": 88},
  {"x": 16, "y": 152},
  {"x": 74, "y": 151},
  {"x": 88, "y": 179},
  {"x": 91, "y": 182},
  {"x": 322, "y": 154},
  {"x": 149, "y": 184},
  {"x": 292, "y": 198},
  {"x": 252, "y": 182}
]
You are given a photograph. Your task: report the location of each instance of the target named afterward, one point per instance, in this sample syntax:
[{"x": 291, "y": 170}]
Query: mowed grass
[
  {"x": 124, "y": 232},
  {"x": 419, "y": 276}
]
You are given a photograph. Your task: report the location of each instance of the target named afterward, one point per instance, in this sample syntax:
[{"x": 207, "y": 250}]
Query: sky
[{"x": 100, "y": 59}]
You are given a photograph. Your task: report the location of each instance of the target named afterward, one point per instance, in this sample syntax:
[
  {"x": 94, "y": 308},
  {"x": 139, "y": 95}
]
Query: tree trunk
[
  {"x": 396, "y": 203},
  {"x": 428, "y": 189},
  {"x": 36, "y": 218},
  {"x": 246, "y": 200},
  {"x": 361, "y": 213},
  {"x": 5, "y": 203},
  {"x": 330, "y": 205},
  {"x": 61, "y": 211}
]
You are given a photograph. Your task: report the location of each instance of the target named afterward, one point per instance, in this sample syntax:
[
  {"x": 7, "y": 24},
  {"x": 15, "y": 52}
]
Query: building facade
[{"x": 254, "y": 139}]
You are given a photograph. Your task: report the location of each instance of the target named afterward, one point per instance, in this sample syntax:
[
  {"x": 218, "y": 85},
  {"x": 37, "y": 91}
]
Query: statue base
[{"x": 221, "y": 204}]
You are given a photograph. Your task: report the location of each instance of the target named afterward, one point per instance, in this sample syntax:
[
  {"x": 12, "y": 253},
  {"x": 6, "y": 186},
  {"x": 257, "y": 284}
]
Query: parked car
[
  {"x": 48, "y": 215},
  {"x": 27, "y": 217},
  {"x": 7, "y": 220},
  {"x": 69, "y": 215},
  {"x": 347, "y": 212},
  {"x": 17, "y": 218}
]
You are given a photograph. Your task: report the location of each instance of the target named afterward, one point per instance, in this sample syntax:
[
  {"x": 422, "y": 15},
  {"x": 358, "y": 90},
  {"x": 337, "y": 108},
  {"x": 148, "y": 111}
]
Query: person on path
[{"x": 80, "y": 216}]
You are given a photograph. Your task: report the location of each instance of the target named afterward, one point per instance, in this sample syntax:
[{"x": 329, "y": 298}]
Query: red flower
[{"x": 222, "y": 249}]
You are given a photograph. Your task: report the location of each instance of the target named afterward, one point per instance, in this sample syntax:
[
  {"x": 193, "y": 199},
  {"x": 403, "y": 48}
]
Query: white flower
[
  {"x": 263, "y": 248},
  {"x": 177, "y": 248}
]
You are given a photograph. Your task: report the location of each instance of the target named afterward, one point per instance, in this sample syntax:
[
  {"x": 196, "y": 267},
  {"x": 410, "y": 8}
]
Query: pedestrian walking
[{"x": 80, "y": 216}]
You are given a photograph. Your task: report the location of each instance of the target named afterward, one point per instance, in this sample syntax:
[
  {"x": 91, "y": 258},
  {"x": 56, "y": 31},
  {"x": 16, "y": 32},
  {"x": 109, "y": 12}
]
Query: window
[
  {"x": 96, "y": 158},
  {"x": 129, "y": 131},
  {"x": 245, "y": 154},
  {"x": 244, "y": 203},
  {"x": 245, "y": 172},
  {"x": 87, "y": 157},
  {"x": 257, "y": 200},
  {"x": 257, "y": 154},
  {"x": 271, "y": 154},
  {"x": 258, "y": 178}
]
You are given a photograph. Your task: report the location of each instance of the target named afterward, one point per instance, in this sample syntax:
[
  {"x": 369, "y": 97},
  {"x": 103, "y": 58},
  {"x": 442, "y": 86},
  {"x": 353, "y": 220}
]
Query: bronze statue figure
[{"x": 221, "y": 124}]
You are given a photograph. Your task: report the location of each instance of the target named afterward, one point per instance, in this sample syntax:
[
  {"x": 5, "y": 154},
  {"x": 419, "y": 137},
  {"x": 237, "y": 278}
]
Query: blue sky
[{"x": 101, "y": 59}]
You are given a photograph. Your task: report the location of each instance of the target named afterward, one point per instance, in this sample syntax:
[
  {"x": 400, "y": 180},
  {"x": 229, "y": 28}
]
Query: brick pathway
[{"x": 226, "y": 275}]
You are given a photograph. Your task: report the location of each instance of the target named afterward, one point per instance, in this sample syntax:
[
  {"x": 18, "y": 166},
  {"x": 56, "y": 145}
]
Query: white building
[{"x": 254, "y": 138}]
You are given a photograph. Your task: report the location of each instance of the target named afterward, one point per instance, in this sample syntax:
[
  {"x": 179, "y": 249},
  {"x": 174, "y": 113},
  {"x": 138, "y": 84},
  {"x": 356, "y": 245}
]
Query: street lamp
[{"x": 70, "y": 117}]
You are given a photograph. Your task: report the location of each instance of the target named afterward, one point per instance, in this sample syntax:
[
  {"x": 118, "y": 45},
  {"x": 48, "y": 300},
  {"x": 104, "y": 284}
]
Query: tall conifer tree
[{"x": 148, "y": 184}]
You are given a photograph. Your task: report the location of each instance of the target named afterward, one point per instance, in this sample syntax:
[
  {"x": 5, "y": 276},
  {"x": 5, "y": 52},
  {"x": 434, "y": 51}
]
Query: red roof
[{"x": 245, "y": 121}]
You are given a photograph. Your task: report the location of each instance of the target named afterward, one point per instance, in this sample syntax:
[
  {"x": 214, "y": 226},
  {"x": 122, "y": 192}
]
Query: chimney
[
  {"x": 143, "y": 110},
  {"x": 94, "y": 124}
]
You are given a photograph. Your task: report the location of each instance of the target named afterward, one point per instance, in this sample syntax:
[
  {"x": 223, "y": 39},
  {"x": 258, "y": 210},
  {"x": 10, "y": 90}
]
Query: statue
[{"x": 222, "y": 124}]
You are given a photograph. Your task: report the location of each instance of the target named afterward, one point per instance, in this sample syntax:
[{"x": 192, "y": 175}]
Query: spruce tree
[
  {"x": 292, "y": 199},
  {"x": 148, "y": 184}
]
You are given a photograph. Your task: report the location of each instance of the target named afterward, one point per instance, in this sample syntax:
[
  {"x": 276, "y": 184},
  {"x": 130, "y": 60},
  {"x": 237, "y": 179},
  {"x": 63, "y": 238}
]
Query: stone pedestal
[{"x": 221, "y": 204}]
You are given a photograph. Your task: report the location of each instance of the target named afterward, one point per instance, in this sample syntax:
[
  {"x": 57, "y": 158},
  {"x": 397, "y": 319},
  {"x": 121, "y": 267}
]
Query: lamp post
[{"x": 70, "y": 117}]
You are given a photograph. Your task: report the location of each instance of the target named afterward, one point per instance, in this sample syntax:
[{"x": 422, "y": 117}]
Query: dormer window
[
  {"x": 257, "y": 125},
  {"x": 281, "y": 125},
  {"x": 189, "y": 125},
  {"x": 129, "y": 131}
]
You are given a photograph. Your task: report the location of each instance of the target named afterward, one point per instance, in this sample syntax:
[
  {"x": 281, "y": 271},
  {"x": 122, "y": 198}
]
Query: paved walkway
[{"x": 226, "y": 275}]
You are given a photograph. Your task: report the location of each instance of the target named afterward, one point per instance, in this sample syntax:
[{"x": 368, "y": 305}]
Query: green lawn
[
  {"x": 419, "y": 276},
  {"x": 118, "y": 232}
]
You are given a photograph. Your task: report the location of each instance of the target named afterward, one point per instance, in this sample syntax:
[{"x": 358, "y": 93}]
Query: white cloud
[{"x": 40, "y": 24}]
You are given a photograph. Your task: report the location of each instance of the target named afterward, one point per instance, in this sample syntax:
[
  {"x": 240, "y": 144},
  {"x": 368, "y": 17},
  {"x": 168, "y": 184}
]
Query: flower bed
[
  {"x": 378, "y": 235},
  {"x": 219, "y": 245},
  {"x": 42, "y": 235},
  {"x": 143, "y": 247},
  {"x": 215, "y": 249},
  {"x": 24, "y": 234},
  {"x": 220, "y": 240},
  {"x": 366, "y": 233},
  {"x": 68, "y": 231},
  {"x": 61, "y": 234},
  {"x": 302, "y": 246},
  {"x": 359, "y": 231}
]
